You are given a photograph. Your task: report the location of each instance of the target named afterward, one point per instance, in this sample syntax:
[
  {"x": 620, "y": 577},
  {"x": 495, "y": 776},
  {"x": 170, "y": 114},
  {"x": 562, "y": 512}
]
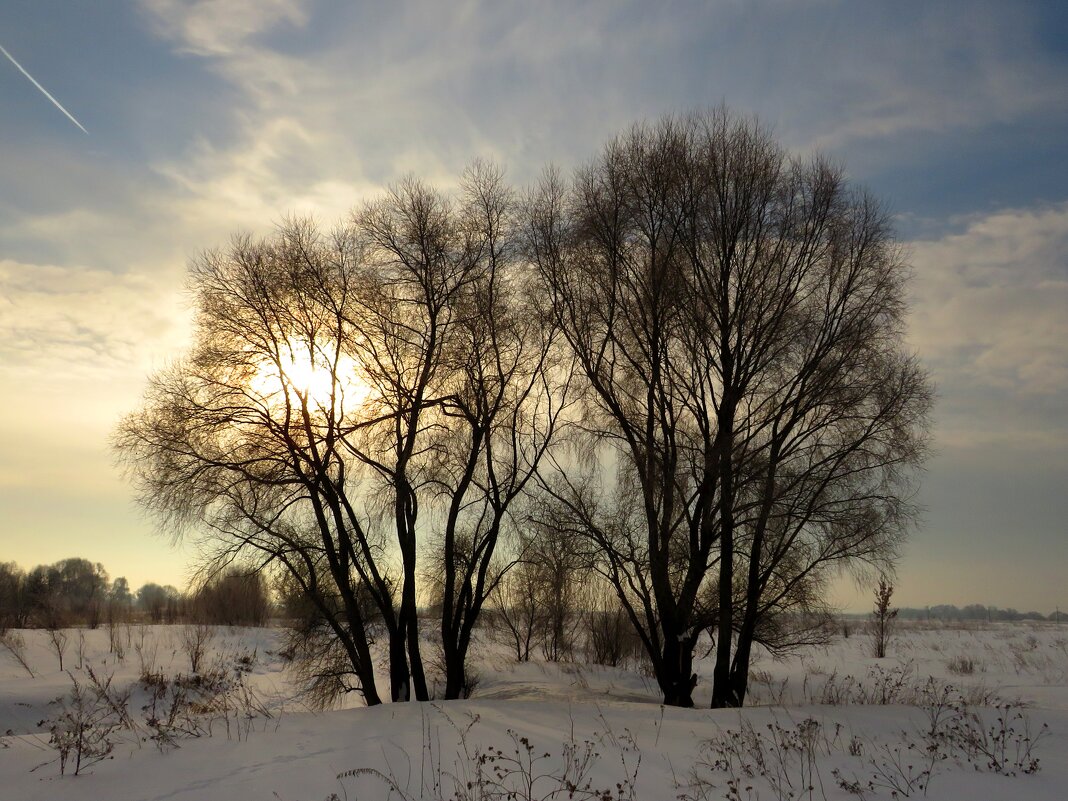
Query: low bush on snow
[{"x": 95, "y": 715}]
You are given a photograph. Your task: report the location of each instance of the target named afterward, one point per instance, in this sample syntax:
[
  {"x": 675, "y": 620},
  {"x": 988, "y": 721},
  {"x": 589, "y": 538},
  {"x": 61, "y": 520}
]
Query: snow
[{"x": 298, "y": 754}]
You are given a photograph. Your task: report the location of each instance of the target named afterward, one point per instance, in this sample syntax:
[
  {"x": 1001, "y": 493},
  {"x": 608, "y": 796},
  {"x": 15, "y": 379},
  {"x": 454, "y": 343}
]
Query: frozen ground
[{"x": 818, "y": 722}]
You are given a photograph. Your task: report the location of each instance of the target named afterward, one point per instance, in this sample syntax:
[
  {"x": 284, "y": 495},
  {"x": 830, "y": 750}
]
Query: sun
[{"x": 305, "y": 374}]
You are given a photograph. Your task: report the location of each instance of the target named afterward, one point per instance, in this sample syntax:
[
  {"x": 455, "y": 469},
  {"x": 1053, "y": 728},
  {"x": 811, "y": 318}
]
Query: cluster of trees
[
  {"x": 685, "y": 361},
  {"x": 52, "y": 596},
  {"x": 79, "y": 592},
  {"x": 973, "y": 612}
]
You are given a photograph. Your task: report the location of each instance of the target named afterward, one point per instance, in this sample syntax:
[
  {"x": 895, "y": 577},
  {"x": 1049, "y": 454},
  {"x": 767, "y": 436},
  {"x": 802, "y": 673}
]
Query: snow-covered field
[{"x": 829, "y": 723}]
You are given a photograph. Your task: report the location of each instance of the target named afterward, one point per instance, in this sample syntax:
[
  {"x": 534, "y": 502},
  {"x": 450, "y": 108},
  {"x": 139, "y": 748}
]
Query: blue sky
[{"x": 207, "y": 118}]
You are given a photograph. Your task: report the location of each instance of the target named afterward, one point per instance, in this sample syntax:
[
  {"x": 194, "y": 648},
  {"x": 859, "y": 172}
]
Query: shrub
[
  {"x": 518, "y": 771},
  {"x": 15, "y": 645},
  {"x": 610, "y": 636},
  {"x": 961, "y": 666},
  {"x": 84, "y": 731},
  {"x": 234, "y": 598},
  {"x": 195, "y": 640}
]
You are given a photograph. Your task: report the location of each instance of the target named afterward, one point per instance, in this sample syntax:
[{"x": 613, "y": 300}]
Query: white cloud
[
  {"x": 220, "y": 27},
  {"x": 425, "y": 87},
  {"x": 990, "y": 315}
]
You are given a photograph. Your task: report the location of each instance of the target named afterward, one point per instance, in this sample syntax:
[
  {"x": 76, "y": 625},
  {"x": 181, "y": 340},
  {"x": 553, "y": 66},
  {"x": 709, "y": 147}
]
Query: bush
[
  {"x": 234, "y": 598},
  {"x": 84, "y": 731},
  {"x": 15, "y": 645},
  {"x": 610, "y": 636},
  {"x": 961, "y": 666},
  {"x": 195, "y": 640}
]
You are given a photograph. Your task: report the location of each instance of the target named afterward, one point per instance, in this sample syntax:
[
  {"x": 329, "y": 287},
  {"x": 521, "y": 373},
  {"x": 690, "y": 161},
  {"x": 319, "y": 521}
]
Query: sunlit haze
[{"x": 305, "y": 375}]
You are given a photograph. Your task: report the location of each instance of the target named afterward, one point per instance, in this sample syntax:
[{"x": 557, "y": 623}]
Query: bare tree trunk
[{"x": 408, "y": 619}]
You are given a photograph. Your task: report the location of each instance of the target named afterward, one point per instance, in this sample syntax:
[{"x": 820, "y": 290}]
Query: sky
[{"x": 211, "y": 117}]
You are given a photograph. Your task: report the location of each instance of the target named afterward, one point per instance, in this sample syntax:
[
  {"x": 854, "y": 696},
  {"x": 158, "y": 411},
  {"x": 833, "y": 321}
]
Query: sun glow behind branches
[{"x": 310, "y": 375}]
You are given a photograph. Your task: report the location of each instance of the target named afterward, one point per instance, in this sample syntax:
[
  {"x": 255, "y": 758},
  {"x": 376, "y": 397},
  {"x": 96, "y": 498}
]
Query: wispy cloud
[
  {"x": 221, "y": 28},
  {"x": 425, "y": 87},
  {"x": 59, "y": 320}
]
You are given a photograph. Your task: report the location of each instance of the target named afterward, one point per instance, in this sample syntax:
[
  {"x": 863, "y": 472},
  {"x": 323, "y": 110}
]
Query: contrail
[{"x": 44, "y": 91}]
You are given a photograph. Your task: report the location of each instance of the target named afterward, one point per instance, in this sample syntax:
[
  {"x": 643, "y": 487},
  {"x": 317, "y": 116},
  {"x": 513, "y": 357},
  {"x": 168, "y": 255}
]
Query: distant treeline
[
  {"x": 77, "y": 592},
  {"x": 976, "y": 612}
]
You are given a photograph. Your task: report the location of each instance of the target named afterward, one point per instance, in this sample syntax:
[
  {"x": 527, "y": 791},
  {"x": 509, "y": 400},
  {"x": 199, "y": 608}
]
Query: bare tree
[
  {"x": 241, "y": 438},
  {"x": 345, "y": 393},
  {"x": 752, "y": 414},
  {"x": 518, "y": 614},
  {"x": 501, "y": 401},
  {"x": 541, "y": 599},
  {"x": 882, "y": 618},
  {"x": 58, "y": 639},
  {"x": 458, "y": 356},
  {"x": 14, "y": 644},
  {"x": 558, "y": 565}
]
